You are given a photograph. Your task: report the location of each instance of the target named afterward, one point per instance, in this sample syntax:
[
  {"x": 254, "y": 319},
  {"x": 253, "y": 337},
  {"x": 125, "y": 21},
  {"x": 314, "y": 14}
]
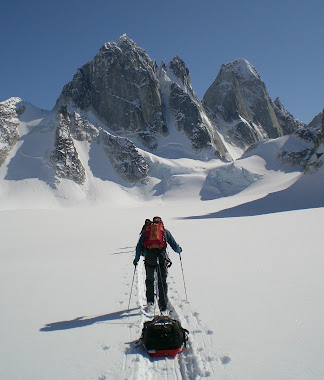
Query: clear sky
[{"x": 44, "y": 42}]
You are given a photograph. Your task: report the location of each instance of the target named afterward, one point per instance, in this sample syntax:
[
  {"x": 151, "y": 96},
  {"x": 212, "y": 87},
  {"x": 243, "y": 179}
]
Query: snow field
[{"x": 254, "y": 288}]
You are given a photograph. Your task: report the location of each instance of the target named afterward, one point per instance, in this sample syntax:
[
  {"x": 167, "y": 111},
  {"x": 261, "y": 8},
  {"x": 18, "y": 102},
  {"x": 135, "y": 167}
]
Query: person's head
[{"x": 157, "y": 219}]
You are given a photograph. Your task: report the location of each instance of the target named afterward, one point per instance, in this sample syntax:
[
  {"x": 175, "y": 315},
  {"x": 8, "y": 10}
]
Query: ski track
[{"x": 197, "y": 361}]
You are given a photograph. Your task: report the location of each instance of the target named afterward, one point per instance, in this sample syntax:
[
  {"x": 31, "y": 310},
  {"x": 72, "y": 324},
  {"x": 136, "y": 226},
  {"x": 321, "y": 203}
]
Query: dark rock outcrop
[
  {"x": 239, "y": 102},
  {"x": 65, "y": 157},
  {"x": 188, "y": 112},
  {"x": 9, "y": 122},
  {"x": 125, "y": 158},
  {"x": 120, "y": 86},
  {"x": 310, "y": 156},
  {"x": 288, "y": 123},
  {"x": 81, "y": 128}
]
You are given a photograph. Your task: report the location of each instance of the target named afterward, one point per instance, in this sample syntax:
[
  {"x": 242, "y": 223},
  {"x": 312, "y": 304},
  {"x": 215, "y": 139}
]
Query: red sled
[
  {"x": 165, "y": 353},
  {"x": 163, "y": 337}
]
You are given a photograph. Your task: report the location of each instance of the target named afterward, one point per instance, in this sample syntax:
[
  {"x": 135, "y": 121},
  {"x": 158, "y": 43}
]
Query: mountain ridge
[{"x": 124, "y": 108}]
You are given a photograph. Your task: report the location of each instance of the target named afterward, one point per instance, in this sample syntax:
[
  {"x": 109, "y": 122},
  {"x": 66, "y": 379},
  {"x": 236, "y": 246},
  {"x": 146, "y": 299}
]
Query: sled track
[{"x": 197, "y": 361}]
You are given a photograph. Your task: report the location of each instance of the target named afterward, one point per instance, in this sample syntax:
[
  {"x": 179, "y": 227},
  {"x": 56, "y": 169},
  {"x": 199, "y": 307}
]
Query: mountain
[
  {"x": 123, "y": 120},
  {"x": 132, "y": 97},
  {"x": 240, "y": 104}
]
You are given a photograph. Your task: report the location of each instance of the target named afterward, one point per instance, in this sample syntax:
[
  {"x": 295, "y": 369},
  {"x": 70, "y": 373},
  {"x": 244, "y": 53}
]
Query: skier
[{"x": 152, "y": 245}]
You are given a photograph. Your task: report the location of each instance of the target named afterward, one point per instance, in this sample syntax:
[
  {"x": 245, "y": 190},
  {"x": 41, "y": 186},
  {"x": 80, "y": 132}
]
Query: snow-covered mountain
[
  {"x": 126, "y": 90},
  {"x": 246, "y": 208},
  {"x": 239, "y": 103},
  {"x": 124, "y": 121}
]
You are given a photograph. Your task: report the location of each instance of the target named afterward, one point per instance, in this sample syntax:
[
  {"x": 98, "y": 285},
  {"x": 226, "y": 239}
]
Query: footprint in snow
[{"x": 225, "y": 359}]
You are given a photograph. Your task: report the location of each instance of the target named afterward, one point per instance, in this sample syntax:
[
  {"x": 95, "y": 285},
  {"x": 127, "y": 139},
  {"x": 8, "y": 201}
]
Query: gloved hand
[
  {"x": 168, "y": 263},
  {"x": 180, "y": 250},
  {"x": 135, "y": 263}
]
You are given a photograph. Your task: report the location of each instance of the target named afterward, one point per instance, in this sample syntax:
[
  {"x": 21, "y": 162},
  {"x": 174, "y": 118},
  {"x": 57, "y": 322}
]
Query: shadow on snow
[
  {"x": 306, "y": 193},
  {"x": 86, "y": 321}
]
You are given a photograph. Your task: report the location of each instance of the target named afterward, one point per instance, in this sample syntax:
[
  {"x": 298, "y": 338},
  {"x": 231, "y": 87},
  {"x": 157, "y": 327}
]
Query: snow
[
  {"x": 243, "y": 68},
  {"x": 252, "y": 263},
  {"x": 254, "y": 286}
]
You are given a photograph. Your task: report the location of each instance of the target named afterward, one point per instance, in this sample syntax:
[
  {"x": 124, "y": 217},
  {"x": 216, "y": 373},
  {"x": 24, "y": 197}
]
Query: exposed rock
[
  {"x": 81, "y": 128},
  {"x": 125, "y": 158},
  {"x": 180, "y": 75},
  {"x": 120, "y": 86},
  {"x": 309, "y": 158},
  {"x": 239, "y": 101},
  {"x": 299, "y": 158},
  {"x": 9, "y": 122},
  {"x": 65, "y": 156},
  {"x": 288, "y": 123},
  {"x": 188, "y": 112},
  {"x": 315, "y": 132}
]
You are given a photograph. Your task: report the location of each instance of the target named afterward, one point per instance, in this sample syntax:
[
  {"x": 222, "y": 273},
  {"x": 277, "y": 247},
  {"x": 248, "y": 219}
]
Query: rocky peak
[
  {"x": 238, "y": 100},
  {"x": 188, "y": 113},
  {"x": 278, "y": 104},
  {"x": 127, "y": 46},
  {"x": 178, "y": 71},
  {"x": 288, "y": 123},
  {"x": 121, "y": 88}
]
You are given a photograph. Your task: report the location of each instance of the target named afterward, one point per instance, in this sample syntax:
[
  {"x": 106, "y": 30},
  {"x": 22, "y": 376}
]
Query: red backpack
[{"x": 154, "y": 235}]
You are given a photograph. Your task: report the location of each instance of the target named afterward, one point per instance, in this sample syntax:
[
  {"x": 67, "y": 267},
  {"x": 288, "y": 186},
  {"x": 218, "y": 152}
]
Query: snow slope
[
  {"x": 251, "y": 237},
  {"x": 254, "y": 282},
  {"x": 254, "y": 287}
]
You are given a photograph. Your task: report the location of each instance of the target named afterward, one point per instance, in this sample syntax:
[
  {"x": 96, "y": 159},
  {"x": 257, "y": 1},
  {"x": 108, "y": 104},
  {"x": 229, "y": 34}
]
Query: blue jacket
[{"x": 140, "y": 249}]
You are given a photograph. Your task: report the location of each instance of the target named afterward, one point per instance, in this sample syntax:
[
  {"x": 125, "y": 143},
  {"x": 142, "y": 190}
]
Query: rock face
[
  {"x": 121, "y": 102},
  {"x": 315, "y": 132},
  {"x": 120, "y": 87},
  {"x": 133, "y": 98},
  {"x": 288, "y": 123},
  {"x": 124, "y": 157},
  {"x": 188, "y": 112},
  {"x": 65, "y": 156},
  {"x": 240, "y": 104},
  {"x": 122, "y": 153},
  {"x": 81, "y": 128},
  {"x": 9, "y": 122},
  {"x": 310, "y": 156}
]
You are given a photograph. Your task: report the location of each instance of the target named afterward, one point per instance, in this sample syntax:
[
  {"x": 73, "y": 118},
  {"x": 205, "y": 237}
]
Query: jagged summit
[
  {"x": 124, "y": 38},
  {"x": 123, "y": 42},
  {"x": 242, "y": 68},
  {"x": 178, "y": 71},
  {"x": 239, "y": 102},
  {"x": 121, "y": 108}
]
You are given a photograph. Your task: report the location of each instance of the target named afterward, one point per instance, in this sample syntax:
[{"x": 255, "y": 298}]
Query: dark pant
[{"x": 160, "y": 269}]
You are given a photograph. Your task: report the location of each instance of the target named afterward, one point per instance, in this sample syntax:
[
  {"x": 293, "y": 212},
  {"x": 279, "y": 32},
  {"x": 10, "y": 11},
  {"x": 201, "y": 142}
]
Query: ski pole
[
  {"x": 184, "y": 283},
  {"x": 131, "y": 290}
]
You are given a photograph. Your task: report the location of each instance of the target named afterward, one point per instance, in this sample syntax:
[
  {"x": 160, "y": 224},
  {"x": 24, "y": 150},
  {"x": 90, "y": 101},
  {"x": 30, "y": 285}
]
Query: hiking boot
[
  {"x": 149, "y": 308},
  {"x": 163, "y": 306}
]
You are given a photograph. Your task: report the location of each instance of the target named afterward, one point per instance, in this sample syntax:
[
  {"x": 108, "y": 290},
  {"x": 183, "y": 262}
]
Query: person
[{"x": 156, "y": 260}]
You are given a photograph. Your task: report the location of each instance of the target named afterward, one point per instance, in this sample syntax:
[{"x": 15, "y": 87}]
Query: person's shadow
[{"x": 87, "y": 321}]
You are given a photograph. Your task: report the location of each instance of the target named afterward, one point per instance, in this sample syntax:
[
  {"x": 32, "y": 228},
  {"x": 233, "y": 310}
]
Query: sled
[
  {"x": 164, "y": 353},
  {"x": 163, "y": 337}
]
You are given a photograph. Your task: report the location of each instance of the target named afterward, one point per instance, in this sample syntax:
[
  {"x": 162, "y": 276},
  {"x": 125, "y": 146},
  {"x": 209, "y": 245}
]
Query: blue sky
[{"x": 44, "y": 42}]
